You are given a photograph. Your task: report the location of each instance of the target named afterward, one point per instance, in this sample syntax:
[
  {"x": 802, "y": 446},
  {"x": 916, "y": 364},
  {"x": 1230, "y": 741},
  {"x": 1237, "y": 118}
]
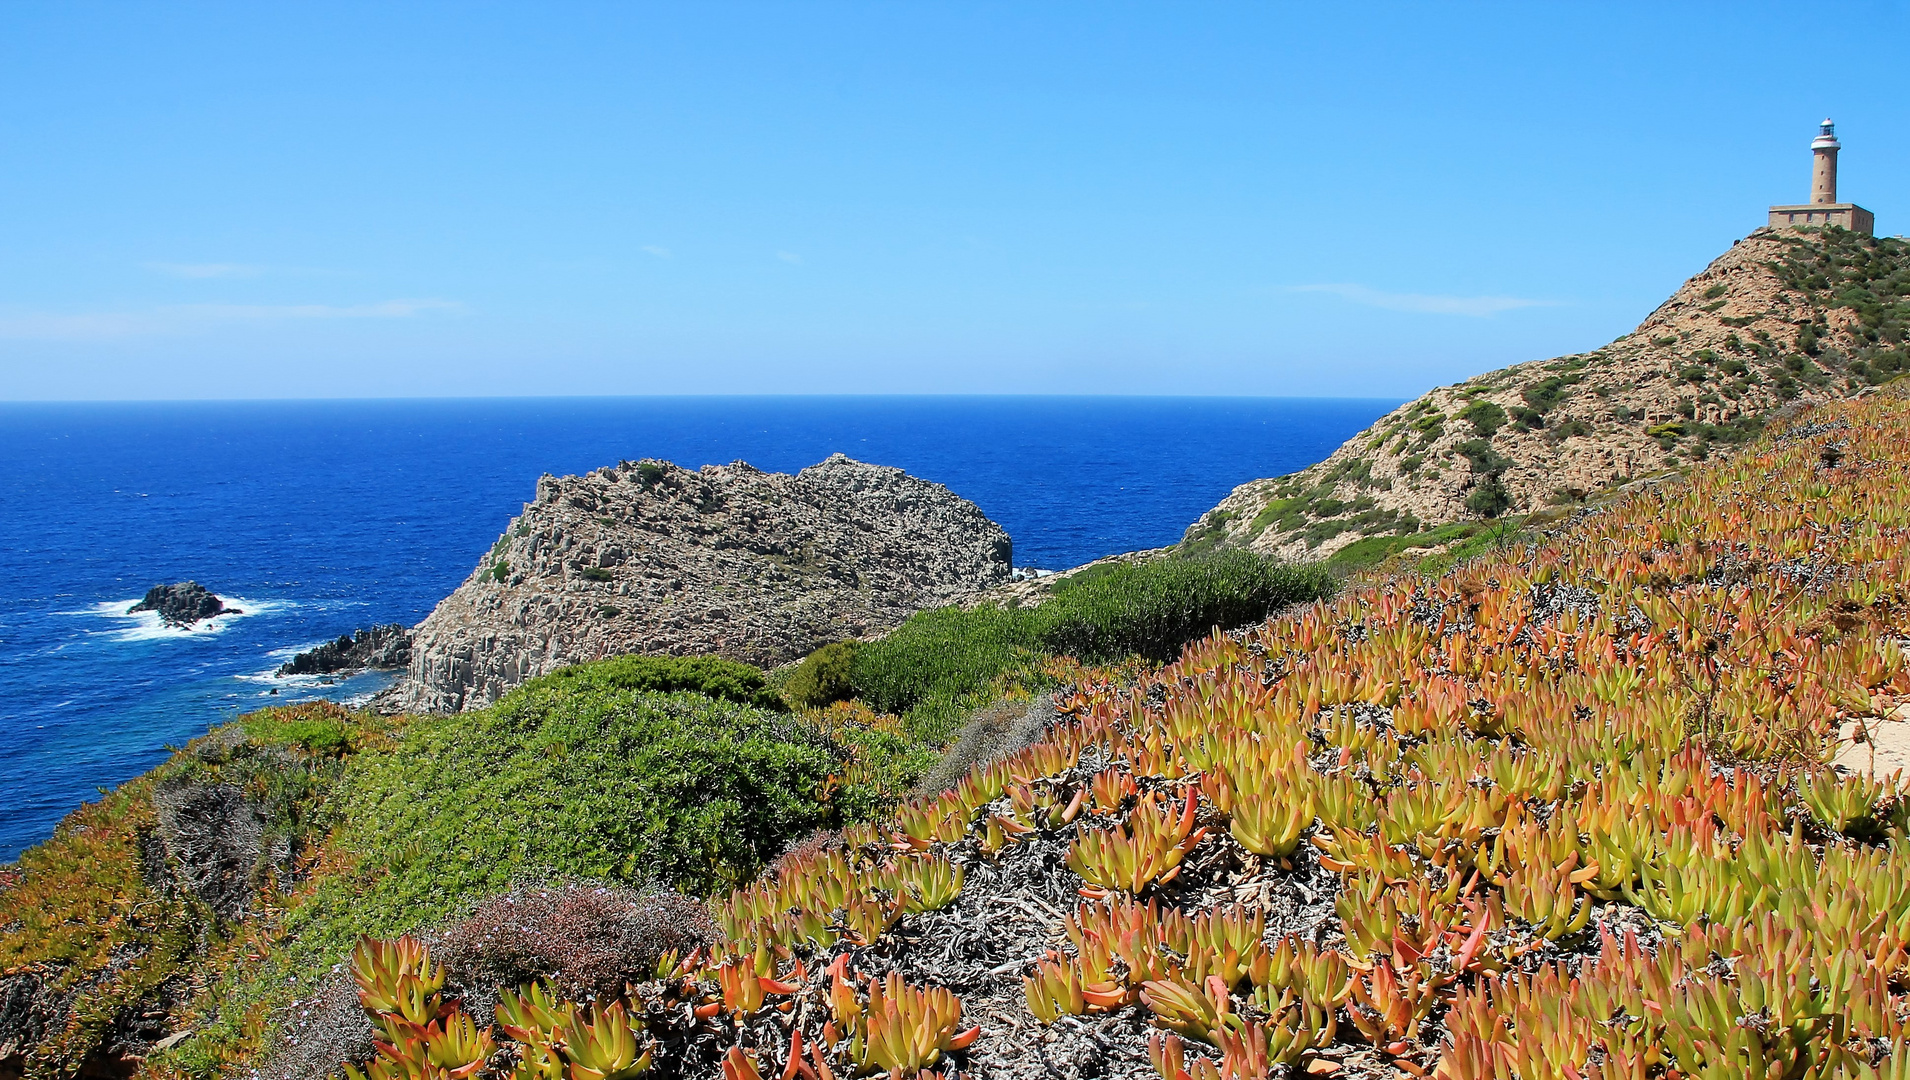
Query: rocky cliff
[
  {"x": 646, "y": 557},
  {"x": 1783, "y": 316}
]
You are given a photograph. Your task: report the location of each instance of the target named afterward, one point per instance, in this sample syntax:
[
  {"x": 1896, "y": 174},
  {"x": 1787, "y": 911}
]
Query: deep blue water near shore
[{"x": 321, "y": 517}]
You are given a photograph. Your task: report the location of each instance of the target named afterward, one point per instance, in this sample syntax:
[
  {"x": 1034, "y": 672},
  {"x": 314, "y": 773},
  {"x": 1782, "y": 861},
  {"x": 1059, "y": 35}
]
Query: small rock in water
[{"x": 182, "y": 603}]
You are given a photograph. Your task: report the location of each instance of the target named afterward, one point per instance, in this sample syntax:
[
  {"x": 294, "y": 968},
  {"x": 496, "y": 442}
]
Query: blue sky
[{"x": 326, "y": 200}]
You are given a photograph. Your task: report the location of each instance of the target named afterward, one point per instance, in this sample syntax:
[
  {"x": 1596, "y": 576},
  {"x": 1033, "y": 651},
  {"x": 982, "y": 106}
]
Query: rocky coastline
[{"x": 375, "y": 648}]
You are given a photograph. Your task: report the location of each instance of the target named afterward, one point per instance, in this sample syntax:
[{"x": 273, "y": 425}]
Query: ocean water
[{"x": 316, "y": 518}]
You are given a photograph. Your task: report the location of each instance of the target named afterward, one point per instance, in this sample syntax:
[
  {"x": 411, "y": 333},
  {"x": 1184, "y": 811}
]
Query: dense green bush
[
  {"x": 577, "y": 777},
  {"x": 1109, "y": 613},
  {"x": 826, "y": 676},
  {"x": 711, "y": 676},
  {"x": 943, "y": 653},
  {"x": 1153, "y": 609}
]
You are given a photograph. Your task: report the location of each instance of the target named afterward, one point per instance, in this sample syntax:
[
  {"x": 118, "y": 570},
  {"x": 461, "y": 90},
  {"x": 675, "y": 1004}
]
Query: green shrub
[
  {"x": 1486, "y": 417},
  {"x": 1490, "y": 498},
  {"x": 711, "y": 676},
  {"x": 596, "y": 573},
  {"x": 1153, "y": 609},
  {"x": 581, "y": 778},
  {"x": 1119, "y": 610},
  {"x": 500, "y": 571},
  {"x": 1372, "y": 550},
  {"x": 944, "y": 653},
  {"x": 1483, "y": 457},
  {"x": 825, "y": 677},
  {"x": 1549, "y": 391}
]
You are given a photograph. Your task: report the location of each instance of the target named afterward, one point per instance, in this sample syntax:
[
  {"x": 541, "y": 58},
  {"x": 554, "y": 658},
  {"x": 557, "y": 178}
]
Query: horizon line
[{"x": 397, "y": 399}]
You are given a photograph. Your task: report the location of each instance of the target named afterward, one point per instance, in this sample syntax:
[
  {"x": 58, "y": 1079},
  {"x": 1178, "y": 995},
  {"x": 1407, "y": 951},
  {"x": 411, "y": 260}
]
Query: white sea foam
[
  {"x": 147, "y": 625},
  {"x": 293, "y": 650}
]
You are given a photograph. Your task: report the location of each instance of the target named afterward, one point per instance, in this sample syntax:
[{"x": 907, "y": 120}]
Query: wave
[{"x": 148, "y": 626}]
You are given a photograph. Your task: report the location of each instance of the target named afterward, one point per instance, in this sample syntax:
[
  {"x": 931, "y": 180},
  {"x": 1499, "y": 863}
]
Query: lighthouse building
[{"x": 1824, "y": 209}]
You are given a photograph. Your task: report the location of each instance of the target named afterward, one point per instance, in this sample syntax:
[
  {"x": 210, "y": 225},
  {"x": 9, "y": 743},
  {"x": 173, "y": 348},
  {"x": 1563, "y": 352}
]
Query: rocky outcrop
[
  {"x": 646, "y": 557},
  {"x": 182, "y": 604},
  {"x": 1783, "y": 316},
  {"x": 377, "y": 648}
]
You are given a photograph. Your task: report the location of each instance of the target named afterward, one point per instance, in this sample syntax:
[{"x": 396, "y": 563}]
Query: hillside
[
  {"x": 1563, "y": 812},
  {"x": 1783, "y": 317},
  {"x": 649, "y": 558}
]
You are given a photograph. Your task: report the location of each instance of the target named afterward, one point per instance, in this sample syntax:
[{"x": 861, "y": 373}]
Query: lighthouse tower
[
  {"x": 1824, "y": 165},
  {"x": 1824, "y": 209}
]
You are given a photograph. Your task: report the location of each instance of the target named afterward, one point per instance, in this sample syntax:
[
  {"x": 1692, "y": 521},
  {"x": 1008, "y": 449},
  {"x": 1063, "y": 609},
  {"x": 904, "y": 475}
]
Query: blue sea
[{"x": 316, "y": 518}]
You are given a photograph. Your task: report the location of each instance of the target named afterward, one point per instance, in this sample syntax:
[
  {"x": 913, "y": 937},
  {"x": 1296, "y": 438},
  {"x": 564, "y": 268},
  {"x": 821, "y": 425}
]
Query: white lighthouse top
[{"x": 1826, "y": 136}]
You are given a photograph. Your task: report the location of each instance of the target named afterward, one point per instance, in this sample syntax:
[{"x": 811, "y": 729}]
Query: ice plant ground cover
[{"x": 1567, "y": 811}]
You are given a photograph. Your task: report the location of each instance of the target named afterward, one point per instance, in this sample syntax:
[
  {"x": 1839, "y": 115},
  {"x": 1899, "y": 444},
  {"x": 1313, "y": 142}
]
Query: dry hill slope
[{"x": 1790, "y": 315}]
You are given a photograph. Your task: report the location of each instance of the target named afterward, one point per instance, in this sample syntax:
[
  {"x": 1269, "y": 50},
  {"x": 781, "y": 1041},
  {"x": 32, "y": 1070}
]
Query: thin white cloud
[
  {"x": 182, "y": 318},
  {"x": 389, "y": 309},
  {"x": 205, "y": 270},
  {"x": 790, "y": 257},
  {"x": 1478, "y": 307},
  {"x": 86, "y": 326},
  {"x": 659, "y": 251}
]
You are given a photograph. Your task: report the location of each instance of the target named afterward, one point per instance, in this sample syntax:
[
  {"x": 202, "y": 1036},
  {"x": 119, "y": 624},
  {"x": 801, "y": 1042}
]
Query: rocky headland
[
  {"x": 1785, "y": 317},
  {"x": 375, "y": 648},
  {"x": 182, "y": 604},
  {"x": 649, "y": 558}
]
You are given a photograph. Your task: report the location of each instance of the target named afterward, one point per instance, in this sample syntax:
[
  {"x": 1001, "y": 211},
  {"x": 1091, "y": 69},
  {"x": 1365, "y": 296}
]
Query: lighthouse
[
  {"x": 1824, "y": 165},
  {"x": 1824, "y": 209}
]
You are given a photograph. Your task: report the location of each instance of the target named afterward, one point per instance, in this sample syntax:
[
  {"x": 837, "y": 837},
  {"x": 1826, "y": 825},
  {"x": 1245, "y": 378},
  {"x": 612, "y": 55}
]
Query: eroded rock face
[
  {"x": 182, "y": 603},
  {"x": 646, "y": 557}
]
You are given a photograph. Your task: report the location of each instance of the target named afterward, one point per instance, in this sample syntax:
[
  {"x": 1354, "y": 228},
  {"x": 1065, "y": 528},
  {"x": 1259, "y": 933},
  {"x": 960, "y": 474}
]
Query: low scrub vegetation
[
  {"x": 941, "y": 662},
  {"x": 202, "y": 895},
  {"x": 1567, "y": 810}
]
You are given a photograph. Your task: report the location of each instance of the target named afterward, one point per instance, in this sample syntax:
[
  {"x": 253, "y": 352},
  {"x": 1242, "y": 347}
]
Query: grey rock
[
  {"x": 377, "y": 648},
  {"x": 182, "y": 603},
  {"x": 645, "y": 557}
]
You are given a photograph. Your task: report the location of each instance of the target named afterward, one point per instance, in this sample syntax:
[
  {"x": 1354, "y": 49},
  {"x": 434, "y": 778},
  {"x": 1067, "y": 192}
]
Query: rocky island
[
  {"x": 648, "y": 558},
  {"x": 182, "y": 604}
]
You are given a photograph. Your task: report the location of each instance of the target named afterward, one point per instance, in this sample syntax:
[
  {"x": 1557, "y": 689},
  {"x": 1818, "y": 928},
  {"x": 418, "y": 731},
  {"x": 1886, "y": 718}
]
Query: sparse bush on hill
[
  {"x": 1490, "y": 498},
  {"x": 1486, "y": 417}
]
